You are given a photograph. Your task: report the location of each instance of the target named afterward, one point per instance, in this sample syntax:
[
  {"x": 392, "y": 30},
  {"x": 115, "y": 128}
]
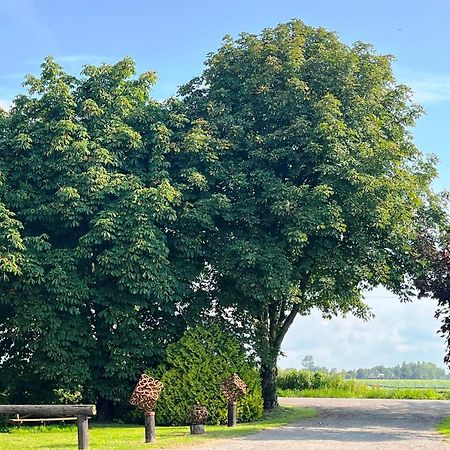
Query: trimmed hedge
[{"x": 193, "y": 370}]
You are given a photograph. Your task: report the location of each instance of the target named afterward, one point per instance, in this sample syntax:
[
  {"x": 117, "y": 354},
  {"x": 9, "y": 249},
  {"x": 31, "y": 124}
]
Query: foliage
[
  {"x": 314, "y": 182},
  {"x": 284, "y": 179},
  {"x": 11, "y": 241},
  {"x": 294, "y": 379},
  {"x": 68, "y": 397},
  {"x": 420, "y": 370},
  {"x": 308, "y": 363},
  {"x": 306, "y": 379},
  {"x": 95, "y": 281},
  {"x": 433, "y": 251},
  {"x": 193, "y": 371}
]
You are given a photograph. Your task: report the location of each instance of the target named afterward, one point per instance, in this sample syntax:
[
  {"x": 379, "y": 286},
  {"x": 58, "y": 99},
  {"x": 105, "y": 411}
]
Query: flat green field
[
  {"x": 439, "y": 385},
  {"x": 131, "y": 437},
  {"x": 378, "y": 388}
]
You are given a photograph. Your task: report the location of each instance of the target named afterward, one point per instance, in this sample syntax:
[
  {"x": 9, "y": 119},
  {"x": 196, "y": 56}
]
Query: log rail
[{"x": 82, "y": 412}]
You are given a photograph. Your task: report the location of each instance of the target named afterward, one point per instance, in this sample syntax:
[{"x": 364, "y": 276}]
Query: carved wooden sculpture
[
  {"x": 233, "y": 389},
  {"x": 196, "y": 418},
  {"x": 145, "y": 396}
]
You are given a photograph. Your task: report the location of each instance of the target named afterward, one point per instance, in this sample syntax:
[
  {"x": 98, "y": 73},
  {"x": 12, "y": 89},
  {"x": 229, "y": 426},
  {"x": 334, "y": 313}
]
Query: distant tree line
[{"x": 420, "y": 370}]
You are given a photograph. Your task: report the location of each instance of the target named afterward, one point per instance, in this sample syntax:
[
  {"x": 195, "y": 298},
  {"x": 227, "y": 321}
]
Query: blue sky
[{"x": 173, "y": 38}]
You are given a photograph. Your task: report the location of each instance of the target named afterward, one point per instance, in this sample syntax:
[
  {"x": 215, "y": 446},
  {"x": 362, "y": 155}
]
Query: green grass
[
  {"x": 440, "y": 385},
  {"x": 365, "y": 388},
  {"x": 444, "y": 427},
  {"x": 363, "y": 391},
  {"x": 132, "y": 436}
]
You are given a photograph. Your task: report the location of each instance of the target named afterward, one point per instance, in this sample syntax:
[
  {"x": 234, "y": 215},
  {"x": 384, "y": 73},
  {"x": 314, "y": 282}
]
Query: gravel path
[{"x": 353, "y": 424}]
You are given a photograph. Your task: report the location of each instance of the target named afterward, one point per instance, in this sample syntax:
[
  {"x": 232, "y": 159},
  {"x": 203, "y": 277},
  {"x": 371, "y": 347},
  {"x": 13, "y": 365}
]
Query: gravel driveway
[{"x": 353, "y": 424}]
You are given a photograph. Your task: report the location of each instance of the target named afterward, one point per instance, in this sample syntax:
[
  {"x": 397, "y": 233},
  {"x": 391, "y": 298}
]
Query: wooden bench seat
[
  {"x": 20, "y": 420},
  {"x": 53, "y": 413}
]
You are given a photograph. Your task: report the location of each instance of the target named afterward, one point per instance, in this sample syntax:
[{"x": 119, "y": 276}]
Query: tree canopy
[
  {"x": 93, "y": 264},
  {"x": 316, "y": 177}
]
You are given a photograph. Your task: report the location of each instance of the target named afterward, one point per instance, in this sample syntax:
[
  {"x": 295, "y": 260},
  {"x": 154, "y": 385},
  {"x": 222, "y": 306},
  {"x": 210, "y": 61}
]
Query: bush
[
  {"x": 292, "y": 379},
  {"x": 321, "y": 380},
  {"x": 295, "y": 379},
  {"x": 193, "y": 370}
]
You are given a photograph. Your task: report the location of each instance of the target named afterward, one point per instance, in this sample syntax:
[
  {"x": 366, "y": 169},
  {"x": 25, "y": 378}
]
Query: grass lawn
[
  {"x": 440, "y": 385},
  {"x": 444, "y": 427},
  {"x": 395, "y": 389},
  {"x": 368, "y": 392},
  {"x": 132, "y": 436}
]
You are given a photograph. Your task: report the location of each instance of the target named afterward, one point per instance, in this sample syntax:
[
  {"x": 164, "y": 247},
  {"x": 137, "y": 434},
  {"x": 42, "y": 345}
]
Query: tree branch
[
  {"x": 287, "y": 323},
  {"x": 291, "y": 316}
]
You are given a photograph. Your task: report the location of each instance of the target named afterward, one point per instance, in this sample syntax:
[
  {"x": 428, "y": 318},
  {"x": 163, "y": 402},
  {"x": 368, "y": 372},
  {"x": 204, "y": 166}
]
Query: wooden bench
[
  {"x": 80, "y": 413},
  {"x": 19, "y": 420}
]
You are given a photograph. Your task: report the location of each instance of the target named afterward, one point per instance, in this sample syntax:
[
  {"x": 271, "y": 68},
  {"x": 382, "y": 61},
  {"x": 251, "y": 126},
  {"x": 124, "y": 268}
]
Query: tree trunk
[
  {"x": 274, "y": 324},
  {"x": 269, "y": 385},
  {"x": 105, "y": 409}
]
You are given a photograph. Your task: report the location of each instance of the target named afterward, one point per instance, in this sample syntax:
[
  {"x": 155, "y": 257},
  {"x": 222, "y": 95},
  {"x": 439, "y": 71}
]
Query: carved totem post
[
  {"x": 145, "y": 396},
  {"x": 233, "y": 388},
  {"x": 196, "y": 418}
]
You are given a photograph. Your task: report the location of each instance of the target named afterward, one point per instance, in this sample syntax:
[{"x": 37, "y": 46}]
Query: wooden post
[
  {"x": 198, "y": 429},
  {"x": 83, "y": 431},
  {"x": 232, "y": 414},
  {"x": 150, "y": 427}
]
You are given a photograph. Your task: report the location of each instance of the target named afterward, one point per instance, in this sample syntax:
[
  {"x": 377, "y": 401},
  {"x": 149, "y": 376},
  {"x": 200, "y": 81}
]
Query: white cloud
[
  {"x": 431, "y": 89},
  {"x": 399, "y": 332},
  {"x": 427, "y": 87},
  {"x": 5, "y": 104}
]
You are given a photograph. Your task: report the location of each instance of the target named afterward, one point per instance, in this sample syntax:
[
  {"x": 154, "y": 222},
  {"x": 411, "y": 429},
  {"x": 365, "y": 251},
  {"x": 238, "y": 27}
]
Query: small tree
[
  {"x": 192, "y": 373},
  {"x": 308, "y": 363}
]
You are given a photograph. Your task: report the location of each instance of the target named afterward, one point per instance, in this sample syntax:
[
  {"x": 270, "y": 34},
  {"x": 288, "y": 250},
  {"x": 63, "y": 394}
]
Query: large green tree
[
  {"x": 95, "y": 272},
  {"x": 312, "y": 176}
]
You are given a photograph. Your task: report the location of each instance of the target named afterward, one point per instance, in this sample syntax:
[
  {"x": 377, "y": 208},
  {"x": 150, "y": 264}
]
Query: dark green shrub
[
  {"x": 320, "y": 380},
  {"x": 295, "y": 379},
  {"x": 193, "y": 370}
]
